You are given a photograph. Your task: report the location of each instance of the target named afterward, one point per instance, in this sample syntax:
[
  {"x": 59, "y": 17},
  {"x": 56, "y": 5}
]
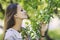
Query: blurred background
[{"x": 39, "y": 11}]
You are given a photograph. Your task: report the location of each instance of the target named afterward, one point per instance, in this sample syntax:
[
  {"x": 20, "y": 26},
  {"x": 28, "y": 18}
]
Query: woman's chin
[{"x": 25, "y": 18}]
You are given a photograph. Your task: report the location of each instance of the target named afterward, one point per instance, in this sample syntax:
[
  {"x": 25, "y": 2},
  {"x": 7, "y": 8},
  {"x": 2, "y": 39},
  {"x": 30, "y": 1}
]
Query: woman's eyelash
[{"x": 21, "y": 9}]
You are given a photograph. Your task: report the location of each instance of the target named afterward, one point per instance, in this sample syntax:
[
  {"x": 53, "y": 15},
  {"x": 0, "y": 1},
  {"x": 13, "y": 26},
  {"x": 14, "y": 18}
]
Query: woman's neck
[{"x": 17, "y": 25}]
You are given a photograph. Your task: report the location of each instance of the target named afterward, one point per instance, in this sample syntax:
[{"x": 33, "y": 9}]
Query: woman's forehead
[{"x": 19, "y": 7}]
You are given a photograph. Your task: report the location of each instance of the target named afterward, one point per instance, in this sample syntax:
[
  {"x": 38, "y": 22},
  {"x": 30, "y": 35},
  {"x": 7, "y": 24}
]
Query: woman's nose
[{"x": 24, "y": 11}]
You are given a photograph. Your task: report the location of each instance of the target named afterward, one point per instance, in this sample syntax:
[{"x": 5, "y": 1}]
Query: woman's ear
[{"x": 15, "y": 15}]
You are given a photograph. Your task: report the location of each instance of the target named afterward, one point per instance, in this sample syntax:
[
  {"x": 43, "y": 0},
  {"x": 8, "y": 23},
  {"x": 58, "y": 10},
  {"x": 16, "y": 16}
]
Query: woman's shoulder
[
  {"x": 12, "y": 33},
  {"x": 9, "y": 33}
]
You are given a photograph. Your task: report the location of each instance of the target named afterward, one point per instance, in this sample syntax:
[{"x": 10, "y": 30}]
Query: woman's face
[{"x": 21, "y": 13}]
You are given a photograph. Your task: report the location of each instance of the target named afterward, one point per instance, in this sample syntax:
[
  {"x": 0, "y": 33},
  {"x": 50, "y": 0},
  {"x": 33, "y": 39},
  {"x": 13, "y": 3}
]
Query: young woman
[{"x": 13, "y": 20}]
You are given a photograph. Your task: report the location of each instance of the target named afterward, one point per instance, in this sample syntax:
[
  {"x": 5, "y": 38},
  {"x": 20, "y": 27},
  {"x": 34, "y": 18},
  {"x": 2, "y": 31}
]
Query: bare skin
[
  {"x": 43, "y": 30},
  {"x": 19, "y": 16},
  {"x": 17, "y": 25}
]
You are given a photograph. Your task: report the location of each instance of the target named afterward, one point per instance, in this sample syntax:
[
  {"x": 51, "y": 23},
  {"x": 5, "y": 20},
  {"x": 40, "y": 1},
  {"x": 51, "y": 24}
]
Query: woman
[{"x": 13, "y": 20}]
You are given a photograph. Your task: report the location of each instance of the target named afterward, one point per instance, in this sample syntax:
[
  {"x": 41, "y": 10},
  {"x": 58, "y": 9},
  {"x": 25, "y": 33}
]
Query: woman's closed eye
[{"x": 21, "y": 10}]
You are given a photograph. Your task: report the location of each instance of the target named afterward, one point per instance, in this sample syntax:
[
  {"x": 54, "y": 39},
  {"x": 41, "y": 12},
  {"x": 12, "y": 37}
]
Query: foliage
[
  {"x": 55, "y": 34},
  {"x": 1, "y": 36}
]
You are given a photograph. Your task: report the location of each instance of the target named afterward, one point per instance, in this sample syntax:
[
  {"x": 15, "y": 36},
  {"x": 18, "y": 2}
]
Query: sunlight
[{"x": 54, "y": 23}]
